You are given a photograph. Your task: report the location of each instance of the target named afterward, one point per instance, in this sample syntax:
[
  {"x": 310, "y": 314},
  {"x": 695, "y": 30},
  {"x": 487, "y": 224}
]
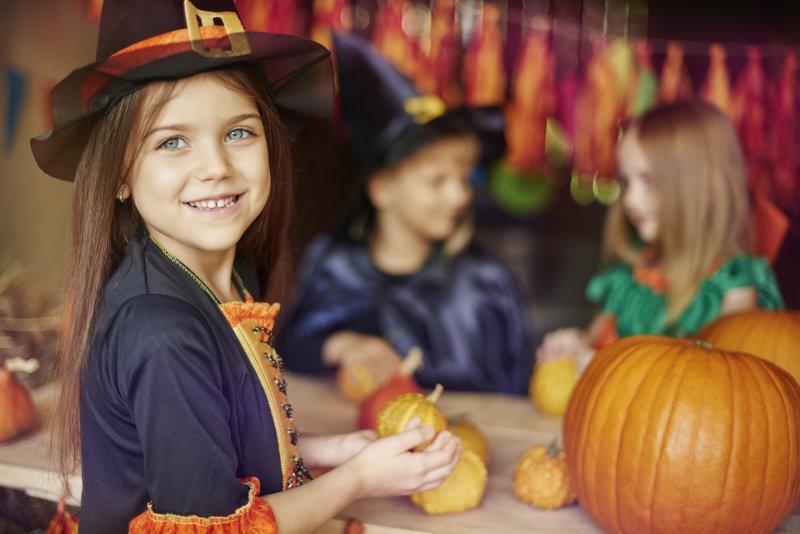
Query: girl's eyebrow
[{"x": 184, "y": 127}]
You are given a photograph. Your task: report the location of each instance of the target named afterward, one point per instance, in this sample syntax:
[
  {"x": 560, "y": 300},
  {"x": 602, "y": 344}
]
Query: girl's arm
[
  {"x": 322, "y": 451},
  {"x": 738, "y": 299},
  {"x": 383, "y": 468}
]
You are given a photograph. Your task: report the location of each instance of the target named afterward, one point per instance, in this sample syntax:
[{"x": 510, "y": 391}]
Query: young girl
[
  {"x": 181, "y": 164},
  {"x": 403, "y": 271},
  {"x": 678, "y": 237}
]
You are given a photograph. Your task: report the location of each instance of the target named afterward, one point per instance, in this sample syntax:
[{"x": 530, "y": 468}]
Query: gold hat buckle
[{"x": 197, "y": 18}]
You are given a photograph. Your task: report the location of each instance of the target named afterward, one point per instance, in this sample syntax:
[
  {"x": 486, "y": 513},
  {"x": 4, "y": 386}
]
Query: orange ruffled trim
[
  {"x": 255, "y": 517},
  {"x": 261, "y": 312}
]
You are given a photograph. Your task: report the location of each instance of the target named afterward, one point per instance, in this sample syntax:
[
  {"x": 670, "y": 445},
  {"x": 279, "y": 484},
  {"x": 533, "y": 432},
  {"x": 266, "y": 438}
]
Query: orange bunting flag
[
  {"x": 329, "y": 16},
  {"x": 276, "y": 16},
  {"x": 484, "y": 75},
  {"x": 391, "y": 41},
  {"x": 675, "y": 83},
  {"x": 532, "y": 102},
  {"x": 717, "y": 87},
  {"x": 440, "y": 70},
  {"x": 598, "y": 117}
]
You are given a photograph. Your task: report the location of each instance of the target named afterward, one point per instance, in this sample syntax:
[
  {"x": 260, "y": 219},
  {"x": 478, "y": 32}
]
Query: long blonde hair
[
  {"x": 698, "y": 171},
  {"x": 101, "y": 228}
]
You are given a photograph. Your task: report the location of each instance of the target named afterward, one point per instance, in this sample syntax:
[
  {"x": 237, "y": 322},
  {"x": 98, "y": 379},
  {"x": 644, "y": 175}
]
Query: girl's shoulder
[{"x": 744, "y": 271}]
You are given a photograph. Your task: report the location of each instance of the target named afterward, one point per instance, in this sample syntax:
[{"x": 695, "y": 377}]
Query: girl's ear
[{"x": 379, "y": 187}]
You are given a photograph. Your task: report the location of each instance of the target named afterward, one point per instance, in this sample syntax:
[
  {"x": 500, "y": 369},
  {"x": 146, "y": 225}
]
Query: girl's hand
[
  {"x": 571, "y": 342},
  {"x": 388, "y": 467},
  {"x": 346, "y": 349}
]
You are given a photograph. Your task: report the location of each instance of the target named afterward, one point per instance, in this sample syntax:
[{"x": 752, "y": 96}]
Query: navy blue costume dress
[
  {"x": 182, "y": 398},
  {"x": 466, "y": 313}
]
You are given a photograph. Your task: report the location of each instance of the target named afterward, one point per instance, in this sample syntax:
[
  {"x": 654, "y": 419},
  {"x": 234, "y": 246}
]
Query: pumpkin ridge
[
  {"x": 591, "y": 418},
  {"x": 633, "y": 400},
  {"x": 731, "y": 442},
  {"x": 778, "y": 511},
  {"x": 667, "y": 425}
]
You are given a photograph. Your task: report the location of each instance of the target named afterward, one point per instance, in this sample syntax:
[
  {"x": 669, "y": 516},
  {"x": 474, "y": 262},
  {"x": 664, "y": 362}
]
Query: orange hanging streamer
[
  {"x": 717, "y": 87},
  {"x": 675, "y": 83},
  {"x": 328, "y": 18},
  {"x": 484, "y": 76},
  {"x": 440, "y": 72},
  {"x": 392, "y": 42},
  {"x": 533, "y": 100}
]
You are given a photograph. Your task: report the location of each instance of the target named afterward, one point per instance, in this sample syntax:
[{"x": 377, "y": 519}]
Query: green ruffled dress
[{"x": 641, "y": 309}]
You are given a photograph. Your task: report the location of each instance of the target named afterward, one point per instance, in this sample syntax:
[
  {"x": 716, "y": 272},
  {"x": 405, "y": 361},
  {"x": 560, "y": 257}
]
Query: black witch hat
[
  {"x": 145, "y": 40},
  {"x": 388, "y": 117}
]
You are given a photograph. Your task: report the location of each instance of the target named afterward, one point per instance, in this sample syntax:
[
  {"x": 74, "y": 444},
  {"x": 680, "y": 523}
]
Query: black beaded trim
[
  {"x": 299, "y": 474},
  {"x": 288, "y": 409}
]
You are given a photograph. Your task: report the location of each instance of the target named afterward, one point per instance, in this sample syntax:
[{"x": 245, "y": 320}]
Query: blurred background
[{"x": 568, "y": 72}]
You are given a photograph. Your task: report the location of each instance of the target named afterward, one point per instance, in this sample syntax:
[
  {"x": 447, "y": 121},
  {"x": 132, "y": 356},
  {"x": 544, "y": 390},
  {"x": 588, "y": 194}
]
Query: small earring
[{"x": 121, "y": 196}]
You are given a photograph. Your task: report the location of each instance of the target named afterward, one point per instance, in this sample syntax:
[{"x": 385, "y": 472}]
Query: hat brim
[{"x": 298, "y": 71}]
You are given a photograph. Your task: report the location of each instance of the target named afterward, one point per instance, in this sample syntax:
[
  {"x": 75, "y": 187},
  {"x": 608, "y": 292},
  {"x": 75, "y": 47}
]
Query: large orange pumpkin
[
  {"x": 668, "y": 435},
  {"x": 773, "y": 335}
]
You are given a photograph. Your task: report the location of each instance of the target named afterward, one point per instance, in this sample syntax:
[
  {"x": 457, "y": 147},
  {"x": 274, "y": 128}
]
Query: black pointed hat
[
  {"x": 145, "y": 40},
  {"x": 388, "y": 117}
]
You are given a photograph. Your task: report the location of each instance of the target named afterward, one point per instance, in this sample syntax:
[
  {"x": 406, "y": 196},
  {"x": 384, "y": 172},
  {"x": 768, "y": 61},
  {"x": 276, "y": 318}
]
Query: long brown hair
[
  {"x": 698, "y": 171},
  {"x": 101, "y": 228}
]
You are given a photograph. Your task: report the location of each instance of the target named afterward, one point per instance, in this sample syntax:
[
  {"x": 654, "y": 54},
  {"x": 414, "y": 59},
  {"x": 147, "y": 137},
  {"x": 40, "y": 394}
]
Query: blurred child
[
  {"x": 172, "y": 396},
  {"x": 678, "y": 237},
  {"x": 403, "y": 271}
]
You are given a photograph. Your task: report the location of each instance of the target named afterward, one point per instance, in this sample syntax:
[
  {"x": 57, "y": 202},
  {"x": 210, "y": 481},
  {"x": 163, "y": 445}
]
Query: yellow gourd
[
  {"x": 462, "y": 490},
  {"x": 552, "y": 383},
  {"x": 394, "y": 417},
  {"x": 471, "y": 437},
  {"x": 540, "y": 478}
]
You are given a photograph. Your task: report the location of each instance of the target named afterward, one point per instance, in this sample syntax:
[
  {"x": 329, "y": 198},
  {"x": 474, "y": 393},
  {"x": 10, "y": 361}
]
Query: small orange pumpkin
[
  {"x": 462, "y": 490},
  {"x": 540, "y": 478},
  {"x": 394, "y": 417},
  {"x": 669, "y": 435},
  {"x": 772, "y": 335},
  {"x": 17, "y": 412}
]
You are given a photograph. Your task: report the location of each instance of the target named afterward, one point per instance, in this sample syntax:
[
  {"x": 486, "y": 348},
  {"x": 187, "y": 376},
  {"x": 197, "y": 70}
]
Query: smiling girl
[
  {"x": 172, "y": 396},
  {"x": 677, "y": 238}
]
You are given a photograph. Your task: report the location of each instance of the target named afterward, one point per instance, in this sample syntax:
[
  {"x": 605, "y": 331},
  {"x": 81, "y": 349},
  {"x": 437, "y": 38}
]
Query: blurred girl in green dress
[{"x": 677, "y": 240}]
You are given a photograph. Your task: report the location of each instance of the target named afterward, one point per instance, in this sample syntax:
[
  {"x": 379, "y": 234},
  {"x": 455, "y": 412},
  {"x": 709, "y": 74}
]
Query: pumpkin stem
[
  {"x": 701, "y": 343},
  {"x": 437, "y": 392},
  {"x": 554, "y": 448},
  {"x": 411, "y": 362}
]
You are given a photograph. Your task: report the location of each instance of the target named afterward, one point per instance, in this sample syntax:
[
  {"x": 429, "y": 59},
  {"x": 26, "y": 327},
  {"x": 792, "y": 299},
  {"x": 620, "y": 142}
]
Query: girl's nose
[{"x": 213, "y": 163}]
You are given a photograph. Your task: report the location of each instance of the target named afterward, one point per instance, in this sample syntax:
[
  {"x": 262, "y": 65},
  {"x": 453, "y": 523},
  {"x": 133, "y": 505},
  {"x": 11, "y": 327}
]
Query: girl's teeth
[{"x": 214, "y": 204}]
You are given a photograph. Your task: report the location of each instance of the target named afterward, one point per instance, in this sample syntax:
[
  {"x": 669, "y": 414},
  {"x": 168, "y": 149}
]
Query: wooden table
[{"x": 511, "y": 425}]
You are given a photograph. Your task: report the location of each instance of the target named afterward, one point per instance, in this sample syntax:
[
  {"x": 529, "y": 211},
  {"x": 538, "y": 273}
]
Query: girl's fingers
[
  {"x": 441, "y": 439},
  {"x": 408, "y": 439}
]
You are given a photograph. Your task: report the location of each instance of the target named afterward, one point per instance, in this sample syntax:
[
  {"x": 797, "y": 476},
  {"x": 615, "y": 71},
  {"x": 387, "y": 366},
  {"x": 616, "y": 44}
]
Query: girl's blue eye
[
  {"x": 173, "y": 143},
  {"x": 238, "y": 134}
]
